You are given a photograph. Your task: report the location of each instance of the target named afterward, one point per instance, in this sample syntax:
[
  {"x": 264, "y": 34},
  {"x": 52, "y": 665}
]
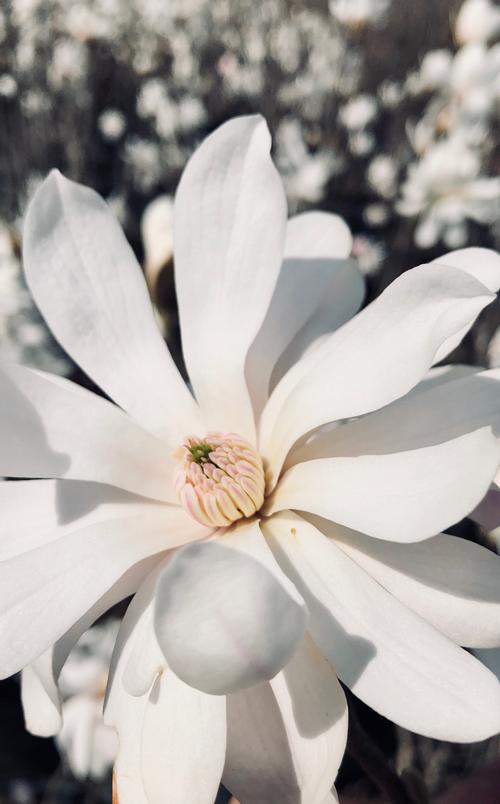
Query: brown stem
[{"x": 372, "y": 761}]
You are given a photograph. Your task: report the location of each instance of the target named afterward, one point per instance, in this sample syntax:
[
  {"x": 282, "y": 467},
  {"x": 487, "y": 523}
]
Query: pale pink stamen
[{"x": 220, "y": 478}]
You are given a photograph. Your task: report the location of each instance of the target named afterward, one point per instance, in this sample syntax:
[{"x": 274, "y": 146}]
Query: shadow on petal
[{"x": 25, "y": 448}]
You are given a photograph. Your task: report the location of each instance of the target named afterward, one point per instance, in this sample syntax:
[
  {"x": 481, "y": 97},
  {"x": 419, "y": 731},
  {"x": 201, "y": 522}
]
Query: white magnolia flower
[
  {"x": 357, "y": 13},
  {"x": 300, "y": 550},
  {"x": 304, "y": 174},
  {"x": 359, "y": 112},
  {"x": 88, "y": 745},
  {"x": 477, "y": 21},
  {"x": 444, "y": 189},
  {"x": 112, "y": 124},
  {"x": 382, "y": 175}
]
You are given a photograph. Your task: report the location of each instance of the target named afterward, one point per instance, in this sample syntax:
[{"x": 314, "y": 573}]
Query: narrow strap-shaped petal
[
  {"x": 183, "y": 743},
  {"x": 40, "y": 680},
  {"x": 286, "y": 739},
  {"x": 230, "y": 217},
  {"x": 452, "y": 583},
  {"x": 318, "y": 290},
  {"x": 46, "y": 591},
  {"x": 53, "y": 428},
  {"x": 226, "y": 616},
  {"x": 87, "y": 283},
  {"x": 172, "y": 737},
  {"x": 400, "y": 496},
  {"x": 446, "y": 405},
  {"x": 36, "y": 512},
  {"x": 389, "y": 656},
  {"x": 374, "y": 359},
  {"x": 482, "y": 263}
]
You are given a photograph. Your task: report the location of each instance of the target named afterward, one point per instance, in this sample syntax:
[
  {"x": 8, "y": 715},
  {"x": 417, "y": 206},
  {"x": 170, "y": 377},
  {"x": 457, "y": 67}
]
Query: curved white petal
[
  {"x": 226, "y": 616},
  {"x": 39, "y": 680},
  {"x": 127, "y": 776},
  {"x": 439, "y": 375},
  {"x": 481, "y": 263},
  {"x": 126, "y": 712},
  {"x": 230, "y": 217},
  {"x": 440, "y": 408},
  {"x": 171, "y": 742},
  {"x": 183, "y": 743},
  {"x": 402, "y": 496},
  {"x": 390, "y": 658},
  {"x": 46, "y": 591},
  {"x": 144, "y": 660},
  {"x": 88, "y": 285},
  {"x": 286, "y": 739},
  {"x": 53, "y": 428},
  {"x": 318, "y": 290},
  {"x": 36, "y": 512},
  {"x": 450, "y": 582},
  {"x": 171, "y": 737},
  {"x": 375, "y": 358}
]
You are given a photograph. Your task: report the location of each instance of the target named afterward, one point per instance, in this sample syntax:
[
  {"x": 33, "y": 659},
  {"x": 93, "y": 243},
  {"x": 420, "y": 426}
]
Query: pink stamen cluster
[{"x": 220, "y": 478}]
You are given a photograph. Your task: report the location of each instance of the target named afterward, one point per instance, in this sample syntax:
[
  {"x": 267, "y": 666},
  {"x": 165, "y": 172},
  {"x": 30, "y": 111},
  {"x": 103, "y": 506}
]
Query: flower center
[{"x": 220, "y": 478}]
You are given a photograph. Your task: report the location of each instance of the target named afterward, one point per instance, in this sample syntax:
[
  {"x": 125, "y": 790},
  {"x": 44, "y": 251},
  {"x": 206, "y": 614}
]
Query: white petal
[
  {"x": 481, "y": 263},
  {"x": 318, "y": 290},
  {"x": 230, "y": 217},
  {"x": 128, "y": 777},
  {"x": 36, "y": 512},
  {"x": 126, "y": 712},
  {"x": 88, "y": 285},
  {"x": 144, "y": 660},
  {"x": 440, "y": 408},
  {"x": 51, "y": 427},
  {"x": 402, "y": 496},
  {"x": 450, "y": 582},
  {"x": 44, "y": 592},
  {"x": 373, "y": 359},
  {"x": 390, "y": 658},
  {"x": 226, "y": 616},
  {"x": 438, "y": 375},
  {"x": 286, "y": 739},
  {"x": 172, "y": 737},
  {"x": 39, "y": 681},
  {"x": 183, "y": 743}
]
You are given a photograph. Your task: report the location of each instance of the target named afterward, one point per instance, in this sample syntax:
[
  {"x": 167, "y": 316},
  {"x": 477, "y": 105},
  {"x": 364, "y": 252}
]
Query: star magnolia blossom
[{"x": 270, "y": 550}]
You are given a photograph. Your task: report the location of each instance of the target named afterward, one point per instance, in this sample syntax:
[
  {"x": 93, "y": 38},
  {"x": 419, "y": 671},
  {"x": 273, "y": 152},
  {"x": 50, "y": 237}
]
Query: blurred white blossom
[
  {"x": 477, "y": 21},
  {"x": 357, "y": 13},
  {"x": 88, "y": 745},
  {"x": 444, "y": 190},
  {"x": 112, "y": 124}
]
